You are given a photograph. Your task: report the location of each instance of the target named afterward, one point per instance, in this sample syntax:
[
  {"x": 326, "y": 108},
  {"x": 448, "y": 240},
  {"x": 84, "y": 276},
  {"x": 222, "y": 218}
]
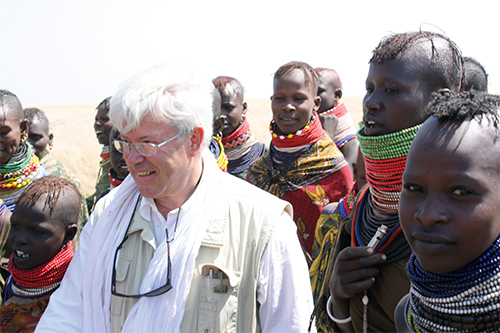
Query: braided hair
[{"x": 465, "y": 106}]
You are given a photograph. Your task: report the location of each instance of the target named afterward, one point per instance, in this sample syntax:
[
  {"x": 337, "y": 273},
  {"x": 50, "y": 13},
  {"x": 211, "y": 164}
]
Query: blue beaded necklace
[{"x": 467, "y": 299}]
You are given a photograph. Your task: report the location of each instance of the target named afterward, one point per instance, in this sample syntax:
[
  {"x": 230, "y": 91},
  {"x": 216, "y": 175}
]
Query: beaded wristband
[{"x": 338, "y": 321}]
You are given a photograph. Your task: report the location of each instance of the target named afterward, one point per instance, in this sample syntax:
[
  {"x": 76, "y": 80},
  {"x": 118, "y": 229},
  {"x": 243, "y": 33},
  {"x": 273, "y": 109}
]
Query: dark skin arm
[
  {"x": 353, "y": 273},
  {"x": 350, "y": 152}
]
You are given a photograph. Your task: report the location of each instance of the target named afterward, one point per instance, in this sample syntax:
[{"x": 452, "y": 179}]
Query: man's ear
[
  {"x": 244, "y": 108},
  {"x": 51, "y": 139},
  {"x": 195, "y": 139}
]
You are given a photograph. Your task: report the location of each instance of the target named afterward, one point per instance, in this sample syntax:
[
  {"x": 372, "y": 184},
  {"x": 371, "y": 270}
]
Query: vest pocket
[
  {"x": 122, "y": 268},
  {"x": 218, "y": 299}
]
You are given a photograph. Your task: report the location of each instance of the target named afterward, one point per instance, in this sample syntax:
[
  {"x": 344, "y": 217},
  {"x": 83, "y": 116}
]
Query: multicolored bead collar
[
  {"x": 385, "y": 161},
  {"x": 310, "y": 134},
  {"x": 467, "y": 299}
]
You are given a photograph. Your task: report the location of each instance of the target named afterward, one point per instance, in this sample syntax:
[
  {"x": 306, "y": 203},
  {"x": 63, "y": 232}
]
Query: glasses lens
[
  {"x": 118, "y": 146},
  {"x": 146, "y": 149}
]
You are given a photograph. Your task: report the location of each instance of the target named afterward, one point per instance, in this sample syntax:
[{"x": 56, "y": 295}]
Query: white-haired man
[{"x": 180, "y": 246}]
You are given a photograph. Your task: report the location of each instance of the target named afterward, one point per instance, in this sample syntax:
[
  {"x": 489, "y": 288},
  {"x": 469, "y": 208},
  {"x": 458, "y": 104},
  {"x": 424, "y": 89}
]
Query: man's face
[{"x": 163, "y": 175}]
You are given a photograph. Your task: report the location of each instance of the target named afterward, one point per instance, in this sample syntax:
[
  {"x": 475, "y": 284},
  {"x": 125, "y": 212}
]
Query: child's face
[
  {"x": 293, "y": 102},
  {"x": 233, "y": 108},
  {"x": 396, "y": 95},
  {"x": 35, "y": 237},
  {"x": 117, "y": 161},
  {"x": 450, "y": 202},
  {"x": 11, "y": 130},
  {"x": 327, "y": 86},
  {"x": 38, "y": 135},
  {"x": 102, "y": 125}
]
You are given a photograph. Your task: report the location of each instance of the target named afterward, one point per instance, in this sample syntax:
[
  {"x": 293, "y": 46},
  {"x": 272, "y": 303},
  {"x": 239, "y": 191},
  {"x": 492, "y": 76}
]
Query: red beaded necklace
[{"x": 310, "y": 134}]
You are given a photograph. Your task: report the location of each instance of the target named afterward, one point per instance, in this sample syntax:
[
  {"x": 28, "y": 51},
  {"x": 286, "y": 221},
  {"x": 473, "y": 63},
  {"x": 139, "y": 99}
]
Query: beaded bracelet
[{"x": 338, "y": 321}]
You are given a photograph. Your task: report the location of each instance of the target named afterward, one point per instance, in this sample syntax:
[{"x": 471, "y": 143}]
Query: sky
[{"x": 60, "y": 51}]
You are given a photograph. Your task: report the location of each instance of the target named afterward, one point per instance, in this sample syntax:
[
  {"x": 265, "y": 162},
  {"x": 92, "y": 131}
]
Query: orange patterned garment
[{"x": 21, "y": 314}]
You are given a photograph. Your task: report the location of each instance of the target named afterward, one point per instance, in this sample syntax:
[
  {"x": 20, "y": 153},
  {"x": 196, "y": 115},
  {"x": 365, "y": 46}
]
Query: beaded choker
[
  {"x": 217, "y": 150},
  {"x": 385, "y": 161},
  {"x": 27, "y": 168},
  {"x": 310, "y": 134},
  {"x": 105, "y": 157},
  {"x": 114, "y": 179},
  {"x": 467, "y": 299},
  {"x": 239, "y": 136},
  {"x": 46, "y": 274},
  {"x": 393, "y": 244},
  {"x": 338, "y": 111}
]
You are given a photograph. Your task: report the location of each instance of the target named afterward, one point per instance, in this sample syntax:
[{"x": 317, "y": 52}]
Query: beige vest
[{"x": 223, "y": 291}]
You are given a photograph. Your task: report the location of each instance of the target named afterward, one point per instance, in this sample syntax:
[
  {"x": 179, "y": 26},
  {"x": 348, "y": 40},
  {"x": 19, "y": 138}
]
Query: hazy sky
[{"x": 60, "y": 51}]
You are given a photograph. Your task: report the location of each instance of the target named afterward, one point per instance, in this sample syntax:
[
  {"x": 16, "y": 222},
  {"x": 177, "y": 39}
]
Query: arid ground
[{"x": 76, "y": 146}]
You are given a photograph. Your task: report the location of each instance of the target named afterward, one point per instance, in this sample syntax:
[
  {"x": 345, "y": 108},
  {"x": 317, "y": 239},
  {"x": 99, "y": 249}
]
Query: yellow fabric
[{"x": 326, "y": 231}]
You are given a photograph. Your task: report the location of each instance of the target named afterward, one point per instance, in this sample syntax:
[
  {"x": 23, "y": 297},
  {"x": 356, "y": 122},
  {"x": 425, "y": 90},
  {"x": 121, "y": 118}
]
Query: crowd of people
[{"x": 196, "y": 226}]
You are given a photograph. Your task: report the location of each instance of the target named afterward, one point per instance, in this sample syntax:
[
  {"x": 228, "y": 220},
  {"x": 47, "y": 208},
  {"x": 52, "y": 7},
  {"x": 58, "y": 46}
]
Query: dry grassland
[{"x": 76, "y": 146}]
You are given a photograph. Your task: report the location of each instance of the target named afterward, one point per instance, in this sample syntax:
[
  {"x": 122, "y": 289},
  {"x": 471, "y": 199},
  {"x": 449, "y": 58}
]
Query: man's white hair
[{"x": 172, "y": 96}]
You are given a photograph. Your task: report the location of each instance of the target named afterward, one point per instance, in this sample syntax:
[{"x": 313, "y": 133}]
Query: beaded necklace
[
  {"x": 105, "y": 156},
  {"x": 239, "y": 136},
  {"x": 385, "y": 161},
  {"x": 242, "y": 148},
  {"x": 306, "y": 136},
  {"x": 27, "y": 168},
  {"x": 45, "y": 275},
  {"x": 338, "y": 111},
  {"x": 217, "y": 150},
  {"x": 114, "y": 179},
  {"x": 467, "y": 299}
]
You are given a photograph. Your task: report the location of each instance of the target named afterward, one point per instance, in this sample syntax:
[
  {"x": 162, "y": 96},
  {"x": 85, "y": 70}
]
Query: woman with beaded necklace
[
  {"x": 450, "y": 214},
  {"x": 240, "y": 144},
  {"x": 303, "y": 166},
  {"x": 19, "y": 165},
  {"x": 362, "y": 285}
]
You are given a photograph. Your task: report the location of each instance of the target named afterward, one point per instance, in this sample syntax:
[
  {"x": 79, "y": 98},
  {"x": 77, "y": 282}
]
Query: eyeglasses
[
  {"x": 151, "y": 293},
  {"x": 143, "y": 148}
]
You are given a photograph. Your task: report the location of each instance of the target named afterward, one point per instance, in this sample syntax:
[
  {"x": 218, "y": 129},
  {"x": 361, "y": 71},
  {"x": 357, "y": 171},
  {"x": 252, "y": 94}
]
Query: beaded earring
[{"x": 24, "y": 138}]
